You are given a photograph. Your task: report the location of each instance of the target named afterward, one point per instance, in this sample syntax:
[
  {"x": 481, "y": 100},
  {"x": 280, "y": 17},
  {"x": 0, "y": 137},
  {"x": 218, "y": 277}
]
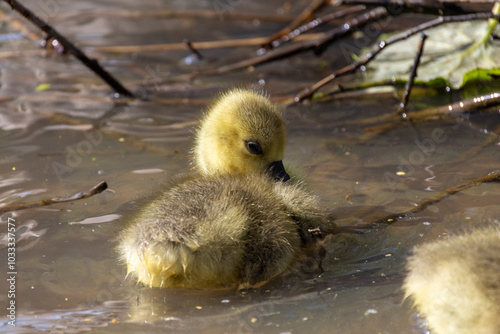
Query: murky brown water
[{"x": 68, "y": 279}]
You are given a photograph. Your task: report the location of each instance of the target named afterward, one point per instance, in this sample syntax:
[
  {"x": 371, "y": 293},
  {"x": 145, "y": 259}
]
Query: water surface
[{"x": 69, "y": 137}]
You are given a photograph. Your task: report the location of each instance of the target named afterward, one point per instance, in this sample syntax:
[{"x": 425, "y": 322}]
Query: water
[{"x": 66, "y": 139}]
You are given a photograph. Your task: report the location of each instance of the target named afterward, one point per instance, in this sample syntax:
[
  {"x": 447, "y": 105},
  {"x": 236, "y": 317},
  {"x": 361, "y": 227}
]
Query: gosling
[
  {"x": 236, "y": 218},
  {"x": 456, "y": 283}
]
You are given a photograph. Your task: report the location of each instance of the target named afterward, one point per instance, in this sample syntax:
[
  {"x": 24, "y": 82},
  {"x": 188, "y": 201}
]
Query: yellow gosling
[
  {"x": 235, "y": 219},
  {"x": 456, "y": 283}
]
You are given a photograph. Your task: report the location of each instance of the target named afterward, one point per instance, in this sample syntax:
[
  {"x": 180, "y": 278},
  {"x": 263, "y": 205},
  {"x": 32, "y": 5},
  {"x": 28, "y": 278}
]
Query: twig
[
  {"x": 320, "y": 43},
  {"x": 413, "y": 74},
  {"x": 493, "y": 138},
  {"x": 172, "y": 14},
  {"x": 422, "y": 205},
  {"x": 356, "y": 22},
  {"x": 90, "y": 63},
  {"x": 301, "y": 18},
  {"x": 22, "y": 53},
  {"x": 315, "y": 23},
  {"x": 97, "y": 189},
  {"x": 306, "y": 93}
]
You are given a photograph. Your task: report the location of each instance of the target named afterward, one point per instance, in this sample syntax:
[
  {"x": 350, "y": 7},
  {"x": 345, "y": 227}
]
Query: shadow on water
[{"x": 70, "y": 136}]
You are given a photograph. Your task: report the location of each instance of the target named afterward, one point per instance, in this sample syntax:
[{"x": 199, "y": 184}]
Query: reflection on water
[{"x": 68, "y": 277}]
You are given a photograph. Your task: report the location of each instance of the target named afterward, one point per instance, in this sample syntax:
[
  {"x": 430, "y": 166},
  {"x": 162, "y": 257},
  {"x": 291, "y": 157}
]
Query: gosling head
[{"x": 242, "y": 133}]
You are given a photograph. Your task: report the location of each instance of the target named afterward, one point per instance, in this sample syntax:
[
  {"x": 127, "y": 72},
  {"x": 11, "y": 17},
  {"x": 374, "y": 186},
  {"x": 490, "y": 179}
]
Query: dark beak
[{"x": 277, "y": 171}]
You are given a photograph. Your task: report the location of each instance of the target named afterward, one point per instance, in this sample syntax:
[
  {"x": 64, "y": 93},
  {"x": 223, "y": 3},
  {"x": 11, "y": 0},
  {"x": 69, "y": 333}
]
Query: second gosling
[
  {"x": 236, "y": 218},
  {"x": 456, "y": 283}
]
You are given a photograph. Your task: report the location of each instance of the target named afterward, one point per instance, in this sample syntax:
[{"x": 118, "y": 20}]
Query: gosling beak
[{"x": 277, "y": 171}]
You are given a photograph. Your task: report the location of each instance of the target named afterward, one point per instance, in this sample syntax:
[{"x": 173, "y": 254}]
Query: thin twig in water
[
  {"x": 413, "y": 74},
  {"x": 71, "y": 48},
  {"x": 314, "y": 24},
  {"x": 421, "y": 206},
  {"x": 475, "y": 104},
  {"x": 424, "y": 204},
  {"x": 301, "y": 18},
  {"x": 230, "y": 43},
  {"x": 180, "y": 14},
  {"x": 320, "y": 43},
  {"x": 493, "y": 138},
  {"x": 97, "y": 189},
  {"x": 193, "y": 49},
  {"x": 308, "y": 92}
]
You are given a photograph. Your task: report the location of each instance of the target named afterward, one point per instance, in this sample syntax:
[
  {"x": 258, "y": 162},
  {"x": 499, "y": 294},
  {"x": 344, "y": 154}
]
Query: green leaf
[
  {"x": 454, "y": 54},
  {"x": 481, "y": 75},
  {"x": 479, "y": 82}
]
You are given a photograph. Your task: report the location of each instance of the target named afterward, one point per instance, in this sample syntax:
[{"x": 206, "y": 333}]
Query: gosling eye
[{"x": 253, "y": 147}]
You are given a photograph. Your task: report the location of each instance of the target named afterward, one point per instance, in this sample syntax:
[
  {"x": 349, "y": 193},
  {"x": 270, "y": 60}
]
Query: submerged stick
[
  {"x": 413, "y": 74},
  {"x": 424, "y": 204},
  {"x": 97, "y": 189},
  {"x": 493, "y": 138},
  {"x": 470, "y": 105},
  {"x": 92, "y": 64},
  {"x": 308, "y": 92},
  {"x": 172, "y": 14},
  {"x": 229, "y": 43}
]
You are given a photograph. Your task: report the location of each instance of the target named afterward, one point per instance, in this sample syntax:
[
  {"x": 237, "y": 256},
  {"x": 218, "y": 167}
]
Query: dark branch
[
  {"x": 413, "y": 74},
  {"x": 92, "y": 64},
  {"x": 191, "y": 48}
]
